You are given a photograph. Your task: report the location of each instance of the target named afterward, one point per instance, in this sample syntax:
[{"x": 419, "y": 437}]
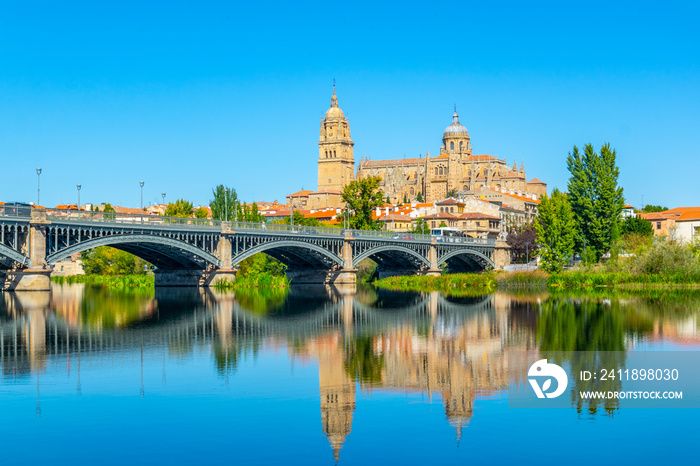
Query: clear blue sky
[{"x": 187, "y": 95}]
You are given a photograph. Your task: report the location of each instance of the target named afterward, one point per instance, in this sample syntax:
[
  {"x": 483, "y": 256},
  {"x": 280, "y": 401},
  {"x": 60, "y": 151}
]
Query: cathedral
[{"x": 455, "y": 172}]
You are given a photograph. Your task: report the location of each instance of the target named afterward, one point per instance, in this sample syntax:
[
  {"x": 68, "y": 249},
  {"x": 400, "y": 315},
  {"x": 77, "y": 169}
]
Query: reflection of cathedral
[{"x": 459, "y": 358}]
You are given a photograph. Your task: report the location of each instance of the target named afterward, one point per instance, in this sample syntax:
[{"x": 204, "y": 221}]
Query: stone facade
[
  {"x": 336, "y": 160},
  {"x": 456, "y": 169}
]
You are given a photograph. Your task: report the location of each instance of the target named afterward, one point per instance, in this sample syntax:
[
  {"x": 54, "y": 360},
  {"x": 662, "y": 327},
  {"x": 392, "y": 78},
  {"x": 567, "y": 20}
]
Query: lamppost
[
  {"x": 163, "y": 194},
  {"x": 226, "y": 202},
  {"x": 38, "y": 186},
  {"x": 527, "y": 254},
  {"x": 291, "y": 212},
  {"x": 79, "y": 186},
  {"x": 141, "y": 184}
]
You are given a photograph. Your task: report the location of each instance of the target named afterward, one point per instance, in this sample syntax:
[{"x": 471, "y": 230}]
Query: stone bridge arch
[{"x": 161, "y": 251}]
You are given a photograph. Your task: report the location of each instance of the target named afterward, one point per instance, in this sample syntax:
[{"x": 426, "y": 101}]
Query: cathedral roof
[
  {"x": 334, "y": 112},
  {"x": 456, "y": 128},
  {"x": 393, "y": 162},
  {"x": 535, "y": 180}
]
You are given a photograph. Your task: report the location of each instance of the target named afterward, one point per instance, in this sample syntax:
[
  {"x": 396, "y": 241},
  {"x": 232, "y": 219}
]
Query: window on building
[
  {"x": 658, "y": 225},
  {"x": 334, "y": 154},
  {"x": 436, "y": 171},
  {"x": 412, "y": 191},
  {"x": 452, "y": 209},
  {"x": 460, "y": 145},
  {"x": 452, "y": 146}
]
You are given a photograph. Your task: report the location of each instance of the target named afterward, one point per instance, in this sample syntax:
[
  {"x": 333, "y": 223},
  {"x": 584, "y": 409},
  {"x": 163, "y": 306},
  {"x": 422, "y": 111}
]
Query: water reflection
[{"x": 454, "y": 350}]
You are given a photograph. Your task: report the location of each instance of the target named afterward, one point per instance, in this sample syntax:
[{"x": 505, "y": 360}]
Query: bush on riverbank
[
  {"x": 458, "y": 283},
  {"x": 260, "y": 280},
  {"x": 118, "y": 281}
]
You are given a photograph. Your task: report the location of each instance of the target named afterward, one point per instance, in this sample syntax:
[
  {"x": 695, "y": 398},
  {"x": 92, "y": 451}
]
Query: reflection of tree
[
  {"x": 261, "y": 300},
  {"x": 361, "y": 361},
  {"x": 102, "y": 307},
  {"x": 592, "y": 328}
]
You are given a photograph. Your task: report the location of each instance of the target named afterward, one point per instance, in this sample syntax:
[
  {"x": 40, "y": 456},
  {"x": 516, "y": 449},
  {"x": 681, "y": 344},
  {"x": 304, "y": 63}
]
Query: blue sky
[{"x": 187, "y": 95}]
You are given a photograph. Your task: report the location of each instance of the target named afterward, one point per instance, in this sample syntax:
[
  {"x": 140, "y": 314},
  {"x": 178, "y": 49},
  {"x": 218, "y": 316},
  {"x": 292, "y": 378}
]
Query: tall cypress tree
[
  {"x": 595, "y": 197},
  {"x": 555, "y": 227}
]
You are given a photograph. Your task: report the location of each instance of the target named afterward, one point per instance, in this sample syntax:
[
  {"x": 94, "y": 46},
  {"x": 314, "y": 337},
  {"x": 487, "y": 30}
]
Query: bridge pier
[
  {"x": 164, "y": 277},
  {"x": 37, "y": 276}
]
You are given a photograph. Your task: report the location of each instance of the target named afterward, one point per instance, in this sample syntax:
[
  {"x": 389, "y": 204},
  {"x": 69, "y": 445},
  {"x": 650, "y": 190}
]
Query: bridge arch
[
  {"x": 466, "y": 260},
  {"x": 292, "y": 253},
  {"x": 14, "y": 255},
  {"x": 388, "y": 250},
  {"x": 161, "y": 251}
]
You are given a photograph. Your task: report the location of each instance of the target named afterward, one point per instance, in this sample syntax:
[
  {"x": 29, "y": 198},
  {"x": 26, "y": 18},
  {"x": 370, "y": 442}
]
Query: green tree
[
  {"x": 405, "y": 199},
  {"x": 179, "y": 208},
  {"x": 104, "y": 260},
  {"x": 419, "y": 197},
  {"x": 637, "y": 225},
  {"x": 420, "y": 227},
  {"x": 201, "y": 213},
  {"x": 453, "y": 193},
  {"x": 653, "y": 208},
  {"x": 108, "y": 208},
  {"x": 388, "y": 200},
  {"x": 299, "y": 219},
  {"x": 595, "y": 197},
  {"x": 221, "y": 201},
  {"x": 556, "y": 231},
  {"x": 362, "y": 197},
  {"x": 442, "y": 224}
]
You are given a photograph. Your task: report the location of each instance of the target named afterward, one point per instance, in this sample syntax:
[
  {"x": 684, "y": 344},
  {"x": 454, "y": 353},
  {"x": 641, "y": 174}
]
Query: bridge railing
[
  {"x": 8, "y": 210},
  {"x": 128, "y": 218},
  {"x": 16, "y": 210}
]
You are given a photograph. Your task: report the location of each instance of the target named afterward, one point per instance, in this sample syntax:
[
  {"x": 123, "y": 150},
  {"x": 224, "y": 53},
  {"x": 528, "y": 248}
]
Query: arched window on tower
[
  {"x": 441, "y": 171},
  {"x": 460, "y": 145},
  {"x": 412, "y": 192},
  {"x": 436, "y": 171},
  {"x": 334, "y": 154},
  {"x": 326, "y": 154},
  {"x": 452, "y": 145}
]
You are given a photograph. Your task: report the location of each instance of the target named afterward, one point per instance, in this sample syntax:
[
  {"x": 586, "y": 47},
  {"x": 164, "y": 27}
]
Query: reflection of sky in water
[{"x": 374, "y": 377}]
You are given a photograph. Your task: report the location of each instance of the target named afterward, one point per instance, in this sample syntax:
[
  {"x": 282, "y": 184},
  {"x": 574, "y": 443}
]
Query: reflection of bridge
[
  {"x": 445, "y": 347},
  {"x": 36, "y": 326},
  {"x": 191, "y": 252}
]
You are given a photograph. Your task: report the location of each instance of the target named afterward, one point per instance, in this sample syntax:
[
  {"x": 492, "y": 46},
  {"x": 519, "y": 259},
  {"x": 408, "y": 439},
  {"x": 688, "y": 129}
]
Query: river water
[{"x": 320, "y": 375}]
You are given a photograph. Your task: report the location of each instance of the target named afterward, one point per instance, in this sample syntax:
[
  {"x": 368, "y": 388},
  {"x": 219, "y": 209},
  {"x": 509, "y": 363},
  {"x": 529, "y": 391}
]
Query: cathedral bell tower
[{"x": 336, "y": 161}]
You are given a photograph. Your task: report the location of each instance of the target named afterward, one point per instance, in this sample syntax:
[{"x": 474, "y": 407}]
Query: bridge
[{"x": 202, "y": 252}]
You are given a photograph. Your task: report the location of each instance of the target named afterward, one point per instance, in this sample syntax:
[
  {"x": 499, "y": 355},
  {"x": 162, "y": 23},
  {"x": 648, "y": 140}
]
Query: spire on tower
[
  {"x": 522, "y": 166},
  {"x": 334, "y": 98}
]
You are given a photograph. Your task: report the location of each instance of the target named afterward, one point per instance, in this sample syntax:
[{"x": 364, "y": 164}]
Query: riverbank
[
  {"x": 571, "y": 280},
  {"x": 111, "y": 281},
  {"x": 262, "y": 280}
]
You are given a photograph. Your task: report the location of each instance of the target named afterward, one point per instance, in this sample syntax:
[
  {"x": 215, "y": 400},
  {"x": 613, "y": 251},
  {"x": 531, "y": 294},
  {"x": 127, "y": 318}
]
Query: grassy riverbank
[
  {"x": 262, "y": 280},
  {"x": 570, "y": 280},
  {"x": 112, "y": 281}
]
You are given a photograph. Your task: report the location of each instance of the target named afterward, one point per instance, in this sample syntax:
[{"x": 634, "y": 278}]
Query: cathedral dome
[
  {"x": 334, "y": 113},
  {"x": 456, "y": 128}
]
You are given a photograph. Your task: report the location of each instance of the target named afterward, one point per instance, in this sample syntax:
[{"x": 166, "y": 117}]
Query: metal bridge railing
[{"x": 24, "y": 212}]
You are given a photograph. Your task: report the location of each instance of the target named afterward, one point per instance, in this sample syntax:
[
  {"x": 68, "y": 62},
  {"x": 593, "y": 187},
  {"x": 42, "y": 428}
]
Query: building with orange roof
[
  {"x": 396, "y": 222},
  {"x": 687, "y": 223},
  {"x": 662, "y": 224}
]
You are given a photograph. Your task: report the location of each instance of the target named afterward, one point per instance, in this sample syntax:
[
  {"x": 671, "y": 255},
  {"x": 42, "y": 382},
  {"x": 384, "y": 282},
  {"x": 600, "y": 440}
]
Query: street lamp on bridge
[
  {"x": 226, "y": 203},
  {"x": 38, "y": 186},
  {"x": 79, "y": 186},
  {"x": 141, "y": 184}
]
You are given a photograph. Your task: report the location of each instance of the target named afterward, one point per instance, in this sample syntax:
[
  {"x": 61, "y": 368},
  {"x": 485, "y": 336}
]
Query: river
[{"x": 321, "y": 375}]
